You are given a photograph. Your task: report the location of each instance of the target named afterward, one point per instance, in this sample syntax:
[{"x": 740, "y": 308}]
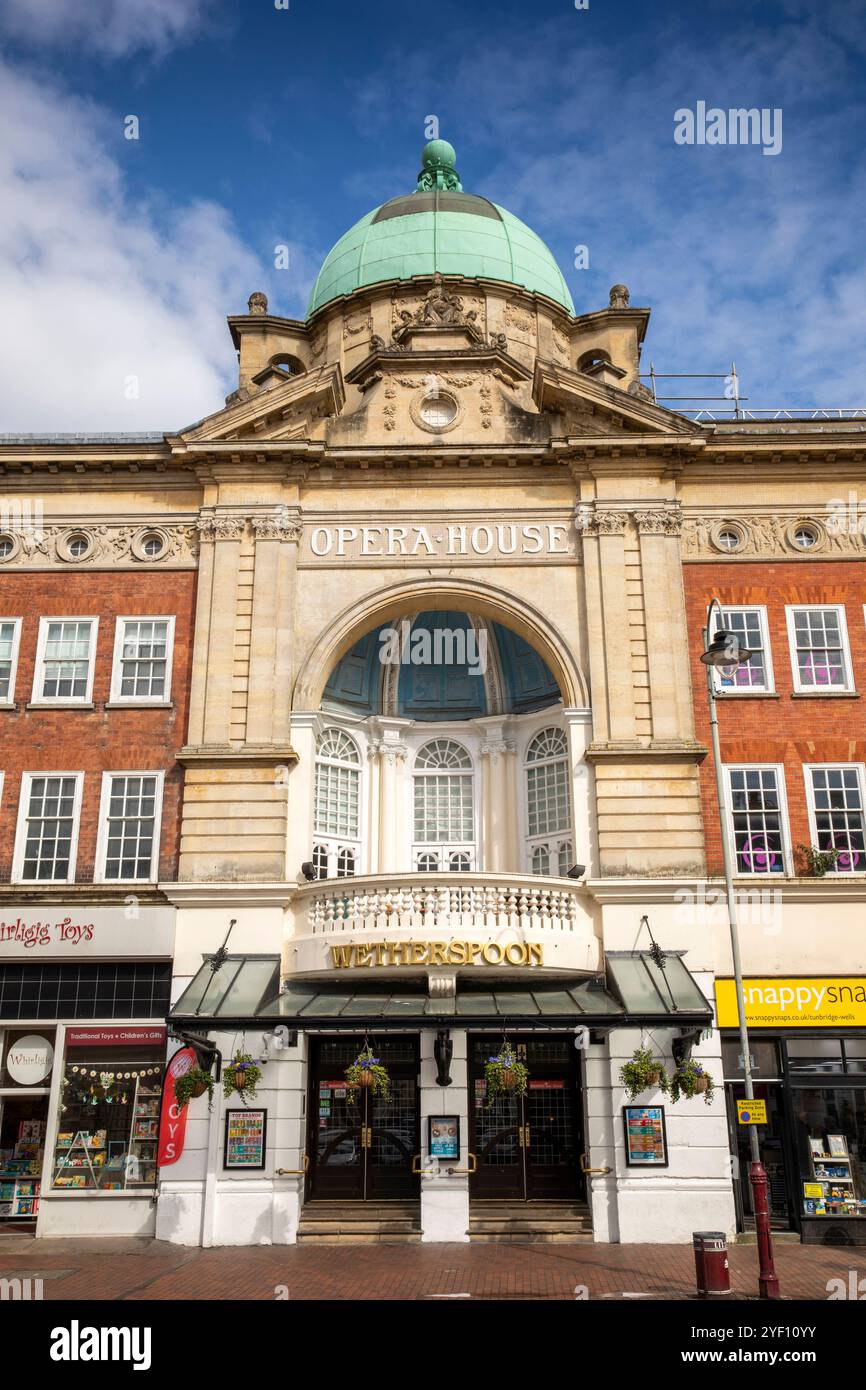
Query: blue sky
[{"x": 261, "y": 126}]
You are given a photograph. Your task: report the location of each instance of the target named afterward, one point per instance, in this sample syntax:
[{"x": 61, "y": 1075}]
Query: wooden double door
[
  {"x": 528, "y": 1147},
  {"x": 362, "y": 1150}
]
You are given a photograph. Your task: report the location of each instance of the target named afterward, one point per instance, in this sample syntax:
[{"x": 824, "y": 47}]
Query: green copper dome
[{"x": 439, "y": 228}]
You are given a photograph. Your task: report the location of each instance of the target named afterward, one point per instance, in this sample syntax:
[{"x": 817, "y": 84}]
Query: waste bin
[{"x": 712, "y": 1271}]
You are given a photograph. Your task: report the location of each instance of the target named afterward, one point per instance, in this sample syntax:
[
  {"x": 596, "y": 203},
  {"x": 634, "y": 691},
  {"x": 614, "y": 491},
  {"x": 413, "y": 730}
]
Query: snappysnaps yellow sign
[{"x": 830, "y": 1001}]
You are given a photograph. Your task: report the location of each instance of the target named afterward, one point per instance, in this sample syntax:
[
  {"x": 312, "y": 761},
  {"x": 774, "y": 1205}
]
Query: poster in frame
[
  {"x": 245, "y": 1139},
  {"x": 443, "y": 1136},
  {"x": 646, "y": 1140}
]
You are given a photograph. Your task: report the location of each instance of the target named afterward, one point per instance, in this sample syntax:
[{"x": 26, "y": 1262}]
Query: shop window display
[
  {"x": 22, "y": 1144},
  {"x": 830, "y": 1127},
  {"x": 108, "y": 1127}
]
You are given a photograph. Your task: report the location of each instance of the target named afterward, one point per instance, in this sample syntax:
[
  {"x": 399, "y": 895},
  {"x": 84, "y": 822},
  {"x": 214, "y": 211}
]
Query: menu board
[
  {"x": 246, "y": 1131},
  {"x": 444, "y": 1136},
  {"x": 645, "y": 1138}
]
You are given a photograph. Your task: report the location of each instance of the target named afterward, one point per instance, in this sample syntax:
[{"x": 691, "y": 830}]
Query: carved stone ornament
[
  {"x": 769, "y": 536},
  {"x": 619, "y": 297},
  {"x": 352, "y": 327},
  {"x": 391, "y": 751},
  {"x": 35, "y": 546},
  {"x": 517, "y": 318},
  {"x": 494, "y": 748},
  {"x": 600, "y": 523},
  {"x": 279, "y": 527},
  {"x": 221, "y": 528},
  {"x": 658, "y": 522},
  {"x": 440, "y": 308},
  {"x": 257, "y": 302}
]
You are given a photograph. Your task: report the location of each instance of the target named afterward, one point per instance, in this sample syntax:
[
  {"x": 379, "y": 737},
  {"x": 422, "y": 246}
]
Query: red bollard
[{"x": 712, "y": 1274}]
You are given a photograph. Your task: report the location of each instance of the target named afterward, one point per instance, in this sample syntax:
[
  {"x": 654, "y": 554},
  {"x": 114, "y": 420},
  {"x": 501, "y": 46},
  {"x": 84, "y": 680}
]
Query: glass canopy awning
[{"x": 636, "y": 991}]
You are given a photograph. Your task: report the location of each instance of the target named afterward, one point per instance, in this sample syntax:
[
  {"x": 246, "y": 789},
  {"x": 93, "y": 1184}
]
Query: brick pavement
[{"x": 145, "y": 1269}]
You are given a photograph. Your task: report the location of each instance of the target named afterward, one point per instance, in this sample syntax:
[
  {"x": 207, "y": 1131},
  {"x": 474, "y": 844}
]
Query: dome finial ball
[{"x": 438, "y": 152}]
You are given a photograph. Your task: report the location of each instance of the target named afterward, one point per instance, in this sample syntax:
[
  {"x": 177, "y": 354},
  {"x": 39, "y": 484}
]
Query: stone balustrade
[{"x": 439, "y": 902}]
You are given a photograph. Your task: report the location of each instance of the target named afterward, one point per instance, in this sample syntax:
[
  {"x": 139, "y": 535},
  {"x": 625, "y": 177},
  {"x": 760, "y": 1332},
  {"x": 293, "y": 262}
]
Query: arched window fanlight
[{"x": 442, "y": 754}]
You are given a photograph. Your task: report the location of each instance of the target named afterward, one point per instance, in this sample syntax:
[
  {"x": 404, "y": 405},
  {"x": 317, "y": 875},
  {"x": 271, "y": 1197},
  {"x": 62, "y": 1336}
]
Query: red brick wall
[
  {"x": 784, "y": 730},
  {"x": 91, "y": 741}
]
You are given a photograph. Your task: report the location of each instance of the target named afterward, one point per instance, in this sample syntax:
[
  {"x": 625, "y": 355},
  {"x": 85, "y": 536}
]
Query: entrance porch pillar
[{"x": 444, "y": 1199}]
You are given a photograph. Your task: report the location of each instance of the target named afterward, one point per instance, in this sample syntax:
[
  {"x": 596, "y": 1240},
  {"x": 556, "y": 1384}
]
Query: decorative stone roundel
[
  {"x": 74, "y": 546},
  {"x": 149, "y": 544},
  {"x": 728, "y": 536},
  {"x": 805, "y": 535},
  {"x": 436, "y": 411}
]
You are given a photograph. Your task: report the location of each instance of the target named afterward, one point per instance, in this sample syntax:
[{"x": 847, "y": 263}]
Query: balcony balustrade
[{"x": 441, "y": 902}]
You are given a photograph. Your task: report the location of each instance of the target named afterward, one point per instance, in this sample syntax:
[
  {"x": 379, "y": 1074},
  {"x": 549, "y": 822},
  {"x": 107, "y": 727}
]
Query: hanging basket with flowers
[
  {"x": 366, "y": 1072},
  {"x": 691, "y": 1080},
  {"x": 241, "y": 1075},
  {"x": 193, "y": 1084},
  {"x": 643, "y": 1072},
  {"x": 504, "y": 1075}
]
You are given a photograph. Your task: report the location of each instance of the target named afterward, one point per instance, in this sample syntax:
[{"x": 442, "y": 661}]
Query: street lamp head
[{"x": 726, "y": 651}]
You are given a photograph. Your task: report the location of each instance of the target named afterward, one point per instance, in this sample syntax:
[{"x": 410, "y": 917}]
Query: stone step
[
  {"x": 337, "y": 1227},
  {"x": 352, "y": 1237},
  {"x": 350, "y": 1208},
  {"x": 526, "y": 1211},
  {"x": 516, "y": 1223},
  {"x": 359, "y": 1223},
  {"x": 492, "y": 1220},
  {"x": 531, "y": 1238}
]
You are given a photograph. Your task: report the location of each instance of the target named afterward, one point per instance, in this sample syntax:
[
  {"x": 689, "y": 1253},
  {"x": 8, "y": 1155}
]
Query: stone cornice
[
  {"x": 659, "y": 750},
  {"x": 229, "y": 894},
  {"x": 243, "y": 755}
]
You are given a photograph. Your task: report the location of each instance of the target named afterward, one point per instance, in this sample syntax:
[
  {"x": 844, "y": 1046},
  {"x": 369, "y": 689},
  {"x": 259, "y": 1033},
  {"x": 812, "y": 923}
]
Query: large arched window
[
  {"x": 548, "y": 806},
  {"x": 443, "y": 808},
  {"x": 337, "y": 817}
]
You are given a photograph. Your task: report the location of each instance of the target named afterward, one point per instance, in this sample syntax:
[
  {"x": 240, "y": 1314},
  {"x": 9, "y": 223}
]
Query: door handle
[
  {"x": 285, "y": 1172},
  {"x": 419, "y": 1172},
  {"x": 584, "y": 1169},
  {"x": 473, "y": 1167}
]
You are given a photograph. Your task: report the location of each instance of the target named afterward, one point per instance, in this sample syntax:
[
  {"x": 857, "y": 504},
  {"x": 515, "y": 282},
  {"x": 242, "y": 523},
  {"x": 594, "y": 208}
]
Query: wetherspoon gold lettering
[{"x": 438, "y": 953}]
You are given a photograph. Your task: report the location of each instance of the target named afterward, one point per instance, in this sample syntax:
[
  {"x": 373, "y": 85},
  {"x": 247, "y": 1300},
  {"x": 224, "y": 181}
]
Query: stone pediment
[
  {"x": 588, "y": 406},
  {"x": 280, "y": 408},
  {"x": 427, "y": 362}
]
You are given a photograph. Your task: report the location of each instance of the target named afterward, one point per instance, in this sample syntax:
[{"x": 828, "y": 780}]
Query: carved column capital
[
  {"x": 221, "y": 528},
  {"x": 278, "y": 526},
  {"x": 658, "y": 522},
  {"x": 600, "y": 522}
]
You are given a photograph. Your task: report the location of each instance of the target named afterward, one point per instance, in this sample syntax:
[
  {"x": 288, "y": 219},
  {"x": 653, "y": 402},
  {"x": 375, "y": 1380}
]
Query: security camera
[
  {"x": 308, "y": 869},
  {"x": 576, "y": 871}
]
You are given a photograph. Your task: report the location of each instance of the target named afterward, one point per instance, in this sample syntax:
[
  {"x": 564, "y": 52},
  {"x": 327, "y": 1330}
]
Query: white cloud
[
  {"x": 111, "y": 27},
  {"x": 97, "y": 288}
]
